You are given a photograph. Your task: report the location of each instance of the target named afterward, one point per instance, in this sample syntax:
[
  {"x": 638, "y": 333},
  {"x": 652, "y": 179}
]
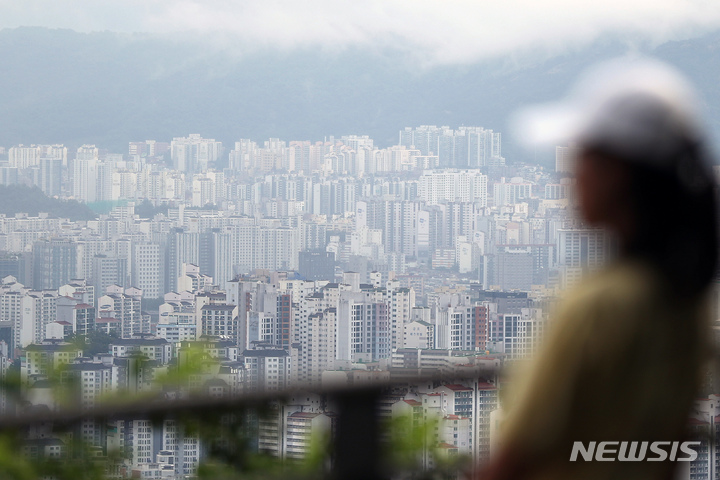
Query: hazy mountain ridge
[{"x": 109, "y": 89}]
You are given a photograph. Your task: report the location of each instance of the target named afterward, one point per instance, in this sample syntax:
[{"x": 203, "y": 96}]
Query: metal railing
[
  {"x": 358, "y": 445},
  {"x": 356, "y": 450}
]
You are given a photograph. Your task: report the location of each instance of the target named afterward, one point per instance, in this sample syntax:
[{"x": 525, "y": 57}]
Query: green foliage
[
  {"x": 80, "y": 462},
  {"x": 11, "y": 383},
  {"x": 151, "y": 305},
  {"x": 31, "y": 200},
  {"x": 411, "y": 441},
  {"x": 98, "y": 342},
  {"x": 77, "y": 461},
  {"x": 192, "y": 361},
  {"x": 94, "y": 343},
  {"x": 227, "y": 434},
  {"x": 414, "y": 447},
  {"x": 13, "y": 465},
  {"x": 231, "y": 455},
  {"x": 318, "y": 453},
  {"x": 147, "y": 210}
]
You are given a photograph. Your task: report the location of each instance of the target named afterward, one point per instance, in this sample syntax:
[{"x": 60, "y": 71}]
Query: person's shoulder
[
  {"x": 618, "y": 283},
  {"x": 608, "y": 310},
  {"x": 621, "y": 290}
]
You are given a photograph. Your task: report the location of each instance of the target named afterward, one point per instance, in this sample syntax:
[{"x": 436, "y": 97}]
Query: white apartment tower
[
  {"x": 147, "y": 266},
  {"x": 38, "y": 309},
  {"x": 511, "y": 192},
  {"x": 436, "y": 186},
  {"x": 85, "y": 174},
  {"x": 124, "y": 306},
  {"x": 314, "y": 352},
  {"x": 193, "y": 154},
  {"x": 22, "y": 156},
  {"x": 565, "y": 158}
]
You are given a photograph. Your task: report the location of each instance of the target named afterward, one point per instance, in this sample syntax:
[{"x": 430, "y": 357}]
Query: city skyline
[{"x": 323, "y": 210}]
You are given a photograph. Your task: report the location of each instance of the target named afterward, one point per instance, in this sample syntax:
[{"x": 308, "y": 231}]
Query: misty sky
[{"x": 449, "y": 31}]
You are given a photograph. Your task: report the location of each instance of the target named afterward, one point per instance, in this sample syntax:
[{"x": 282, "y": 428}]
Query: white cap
[{"x": 637, "y": 109}]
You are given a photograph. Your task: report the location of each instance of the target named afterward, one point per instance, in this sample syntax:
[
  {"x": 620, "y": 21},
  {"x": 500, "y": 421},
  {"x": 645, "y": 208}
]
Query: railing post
[{"x": 357, "y": 445}]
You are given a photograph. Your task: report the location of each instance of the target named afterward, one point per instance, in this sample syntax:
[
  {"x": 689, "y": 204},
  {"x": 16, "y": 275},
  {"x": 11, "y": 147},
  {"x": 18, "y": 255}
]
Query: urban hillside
[{"x": 32, "y": 201}]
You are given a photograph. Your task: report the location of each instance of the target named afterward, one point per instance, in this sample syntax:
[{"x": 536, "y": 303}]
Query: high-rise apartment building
[
  {"x": 85, "y": 174},
  {"x": 220, "y": 320},
  {"x": 193, "y": 154},
  {"x": 50, "y": 176},
  {"x": 108, "y": 270},
  {"x": 183, "y": 246},
  {"x": 22, "y": 156},
  {"x": 436, "y": 186},
  {"x": 471, "y": 147},
  {"x": 124, "y": 306},
  {"x": 314, "y": 351},
  {"x": 267, "y": 369},
  {"x": 584, "y": 248},
  {"x": 78, "y": 315},
  {"x": 147, "y": 269},
  {"x": 565, "y": 158},
  {"x": 54, "y": 263}
]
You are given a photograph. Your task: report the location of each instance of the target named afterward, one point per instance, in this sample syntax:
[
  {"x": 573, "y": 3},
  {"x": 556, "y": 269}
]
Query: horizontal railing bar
[{"x": 146, "y": 406}]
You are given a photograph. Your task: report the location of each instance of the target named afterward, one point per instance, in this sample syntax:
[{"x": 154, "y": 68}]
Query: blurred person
[{"x": 624, "y": 354}]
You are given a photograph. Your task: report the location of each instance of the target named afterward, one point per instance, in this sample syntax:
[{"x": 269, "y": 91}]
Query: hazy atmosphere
[
  {"x": 262, "y": 69},
  {"x": 433, "y": 32},
  {"x": 283, "y": 239}
]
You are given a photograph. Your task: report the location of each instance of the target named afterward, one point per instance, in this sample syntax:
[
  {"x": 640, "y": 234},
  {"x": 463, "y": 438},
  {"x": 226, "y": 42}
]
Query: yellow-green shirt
[{"x": 622, "y": 361}]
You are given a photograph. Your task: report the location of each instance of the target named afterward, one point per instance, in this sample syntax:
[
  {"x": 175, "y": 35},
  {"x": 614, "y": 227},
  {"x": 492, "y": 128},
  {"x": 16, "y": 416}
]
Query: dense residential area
[{"x": 283, "y": 267}]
